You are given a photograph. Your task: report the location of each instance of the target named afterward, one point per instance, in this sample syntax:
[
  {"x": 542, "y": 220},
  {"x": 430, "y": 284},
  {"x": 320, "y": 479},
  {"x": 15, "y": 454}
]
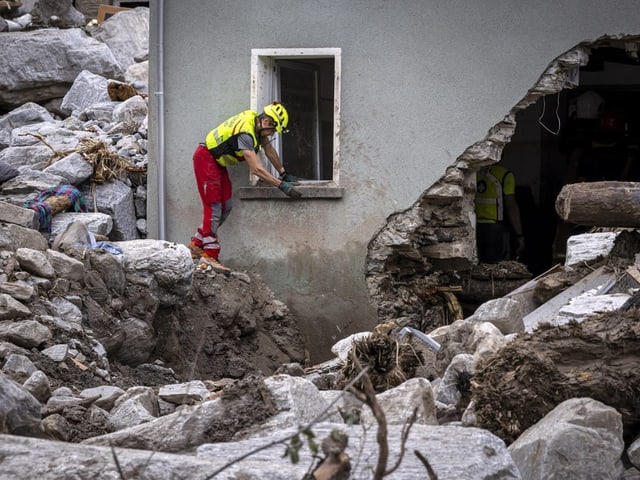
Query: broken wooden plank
[
  {"x": 531, "y": 284},
  {"x": 549, "y": 310},
  {"x": 602, "y": 204}
]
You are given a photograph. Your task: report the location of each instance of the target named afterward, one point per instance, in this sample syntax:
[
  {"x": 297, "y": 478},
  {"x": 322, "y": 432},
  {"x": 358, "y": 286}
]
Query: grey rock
[
  {"x": 127, "y": 34},
  {"x": 88, "y": 88},
  {"x": 35, "y": 262},
  {"x": 453, "y": 452},
  {"x": 505, "y": 313},
  {"x": 19, "y": 290},
  {"x": 35, "y": 156},
  {"x": 40, "y": 65},
  {"x": 38, "y": 385},
  {"x": 18, "y": 215},
  {"x": 14, "y": 237},
  {"x": 139, "y": 341},
  {"x": 136, "y": 406},
  {"x": 65, "y": 266},
  {"x": 11, "y": 309},
  {"x": 399, "y": 403},
  {"x": 18, "y": 367},
  {"x": 19, "y": 410},
  {"x": 48, "y": 460},
  {"x": 116, "y": 200},
  {"x": 25, "y": 114},
  {"x": 96, "y": 223},
  {"x": 184, "y": 393},
  {"x": 581, "y": 429},
  {"x": 108, "y": 395},
  {"x": 57, "y": 353},
  {"x": 166, "y": 268},
  {"x": 74, "y": 168},
  {"x": 56, "y": 426},
  {"x": 57, "y": 13}
]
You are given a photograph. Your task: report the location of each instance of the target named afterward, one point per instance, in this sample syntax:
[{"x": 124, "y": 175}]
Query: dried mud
[{"x": 525, "y": 380}]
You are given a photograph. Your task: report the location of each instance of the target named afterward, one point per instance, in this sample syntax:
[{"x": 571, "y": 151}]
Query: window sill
[{"x": 272, "y": 193}]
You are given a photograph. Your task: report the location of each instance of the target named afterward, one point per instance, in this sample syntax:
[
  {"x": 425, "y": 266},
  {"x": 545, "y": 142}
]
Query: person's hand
[
  {"x": 287, "y": 177},
  {"x": 289, "y": 190}
]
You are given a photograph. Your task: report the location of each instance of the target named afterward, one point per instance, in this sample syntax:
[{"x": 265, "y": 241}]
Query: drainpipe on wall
[{"x": 160, "y": 115}]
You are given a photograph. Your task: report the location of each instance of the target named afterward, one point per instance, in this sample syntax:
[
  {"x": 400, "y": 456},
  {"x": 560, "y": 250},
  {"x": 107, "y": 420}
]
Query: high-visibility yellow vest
[
  {"x": 222, "y": 141},
  {"x": 492, "y": 185}
]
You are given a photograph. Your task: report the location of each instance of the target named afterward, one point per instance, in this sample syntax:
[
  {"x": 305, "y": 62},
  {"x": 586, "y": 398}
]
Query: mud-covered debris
[
  {"x": 390, "y": 362},
  {"x": 599, "y": 358}
]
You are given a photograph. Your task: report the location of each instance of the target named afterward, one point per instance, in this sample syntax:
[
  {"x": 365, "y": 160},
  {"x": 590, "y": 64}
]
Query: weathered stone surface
[
  {"x": 20, "y": 216},
  {"x": 127, "y": 36},
  {"x": 11, "y": 309},
  {"x": 49, "y": 460},
  {"x": 49, "y": 60},
  {"x": 453, "y": 453},
  {"x": 35, "y": 262},
  {"x": 165, "y": 267},
  {"x": 19, "y": 410},
  {"x": 72, "y": 167},
  {"x": 505, "y": 313},
  {"x": 184, "y": 393},
  {"x": 116, "y": 200},
  {"x": 399, "y": 402},
  {"x": 572, "y": 430}
]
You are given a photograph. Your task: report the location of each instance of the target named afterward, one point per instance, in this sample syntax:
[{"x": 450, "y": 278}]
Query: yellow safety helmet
[{"x": 278, "y": 114}]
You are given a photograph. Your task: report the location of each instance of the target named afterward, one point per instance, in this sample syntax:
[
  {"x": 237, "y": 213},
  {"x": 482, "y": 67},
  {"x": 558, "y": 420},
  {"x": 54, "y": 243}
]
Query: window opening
[{"x": 307, "y": 83}]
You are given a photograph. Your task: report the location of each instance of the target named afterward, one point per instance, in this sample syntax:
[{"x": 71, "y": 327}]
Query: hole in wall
[
  {"x": 583, "y": 134},
  {"x": 579, "y": 122}
]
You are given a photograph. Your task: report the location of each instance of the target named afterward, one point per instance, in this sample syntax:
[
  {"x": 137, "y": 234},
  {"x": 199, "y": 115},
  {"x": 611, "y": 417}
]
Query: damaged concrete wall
[
  {"x": 433, "y": 242},
  {"x": 422, "y": 83}
]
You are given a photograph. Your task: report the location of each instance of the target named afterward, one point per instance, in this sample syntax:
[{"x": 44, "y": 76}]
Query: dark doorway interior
[{"x": 587, "y": 133}]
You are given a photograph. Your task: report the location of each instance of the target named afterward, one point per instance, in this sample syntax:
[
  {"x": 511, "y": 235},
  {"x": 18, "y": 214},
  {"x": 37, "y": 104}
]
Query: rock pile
[{"x": 117, "y": 360}]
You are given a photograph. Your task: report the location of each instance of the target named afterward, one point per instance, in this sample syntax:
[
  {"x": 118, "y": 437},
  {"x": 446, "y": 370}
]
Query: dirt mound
[
  {"x": 230, "y": 326},
  {"x": 599, "y": 358}
]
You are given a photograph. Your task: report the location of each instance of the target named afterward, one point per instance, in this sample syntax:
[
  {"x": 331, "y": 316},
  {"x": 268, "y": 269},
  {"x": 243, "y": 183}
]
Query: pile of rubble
[{"x": 118, "y": 360}]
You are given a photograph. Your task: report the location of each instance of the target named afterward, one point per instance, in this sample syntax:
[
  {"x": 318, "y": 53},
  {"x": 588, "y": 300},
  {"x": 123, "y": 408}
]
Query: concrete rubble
[{"x": 81, "y": 323}]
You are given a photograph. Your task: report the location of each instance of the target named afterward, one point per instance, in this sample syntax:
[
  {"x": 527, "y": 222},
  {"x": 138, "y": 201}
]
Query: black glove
[
  {"x": 287, "y": 177},
  {"x": 289, "y": 190}
]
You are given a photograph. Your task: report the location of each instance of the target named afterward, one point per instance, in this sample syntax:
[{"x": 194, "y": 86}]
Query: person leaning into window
[
  {"x": 495, "y": 198},
  {"x": 237, "y": 139}
]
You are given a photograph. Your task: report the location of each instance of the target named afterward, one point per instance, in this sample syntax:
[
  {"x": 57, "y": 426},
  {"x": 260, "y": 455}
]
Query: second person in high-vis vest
[
  {"x": 237, "y": 139},
  {"x": 497, "y": 215}
]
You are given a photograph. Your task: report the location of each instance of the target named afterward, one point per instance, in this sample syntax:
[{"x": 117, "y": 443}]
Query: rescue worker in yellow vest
[
  {"x": 497, "y": 215},
  {"x": 237, "y": 139}
]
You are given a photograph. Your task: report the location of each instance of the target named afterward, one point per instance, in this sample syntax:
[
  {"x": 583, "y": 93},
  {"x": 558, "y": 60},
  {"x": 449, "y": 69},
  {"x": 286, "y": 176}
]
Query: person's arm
[
  {"x": 273, "y": 157},
  {"x": 258, "y": 170},
  {"x": 513, "y": 214}
]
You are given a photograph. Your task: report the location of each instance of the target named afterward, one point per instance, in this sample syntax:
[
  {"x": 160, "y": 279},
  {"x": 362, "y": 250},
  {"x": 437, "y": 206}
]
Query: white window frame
[{"x": 264, "y": 90}]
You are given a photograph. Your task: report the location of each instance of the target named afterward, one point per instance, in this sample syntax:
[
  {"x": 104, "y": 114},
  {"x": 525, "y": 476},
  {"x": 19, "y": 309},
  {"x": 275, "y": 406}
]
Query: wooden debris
[
  {"x": 79, "y": 364},
  {"x": 598, "y": 358},
  {"x": 119, "y": 92},
  {"x": 58, "y": 203},
  {"x": 390, "y": 362},
  {"x": 604, "y": 204},
  {"x": 550, "y": 309}
]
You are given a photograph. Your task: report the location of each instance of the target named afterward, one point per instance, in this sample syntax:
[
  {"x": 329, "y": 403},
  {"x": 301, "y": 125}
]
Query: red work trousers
[{"x": 214, "y": 187}]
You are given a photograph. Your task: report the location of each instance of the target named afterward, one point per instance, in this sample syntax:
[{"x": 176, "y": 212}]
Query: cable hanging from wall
[{"x": 544, "y": 104}]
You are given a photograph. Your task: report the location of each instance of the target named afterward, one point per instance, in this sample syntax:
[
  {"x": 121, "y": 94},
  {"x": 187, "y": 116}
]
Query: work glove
[
  {"x": 287, "y": 177},
  {"x": 289, "y": 190}
]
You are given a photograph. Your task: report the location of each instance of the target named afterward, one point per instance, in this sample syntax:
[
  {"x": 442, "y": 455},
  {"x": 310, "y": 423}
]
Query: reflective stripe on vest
[
  {"x": 490, "y": 203},
  {"x": 222, "y": 140}
]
